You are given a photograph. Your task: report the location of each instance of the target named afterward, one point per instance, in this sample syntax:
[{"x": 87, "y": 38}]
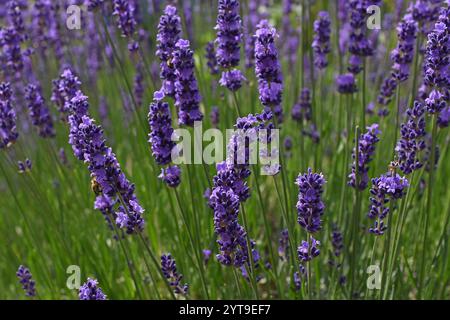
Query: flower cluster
[
  {"x": 437, "y": 62},
  {"x": 39, "y": 113},
  {"x": 187, "y": 96},
  {"x": 359, "y": 177},
  {"x": 89, "y": 145},
  {"x": 267, "y": 68},
  {"x": 229, "y": 36},
  {"x": 308, "y": 250},
  {"x": 211, "y": 59},
  {"x": 321, "y": 41},
  {"x": 8, "y": 131},
  {"x": 283, "y": 248},
  {"x": 24, "y": 166},
  {"x": 310, "y": 206},
  {"x": 91, "y": 291},
  {"x": 169, "y": 269},
  {"x": 388, "y": 187},
  {"x": 124, "y": 13},
  {"x": 346, "y": 83},
  {"x": 25, "y": 278},
  {"x": 64, "y": 89},
  {"x": 169, "y": 29},
  {"x": 302, "y": 110},
  {"x": 402, "y": 56},
  {"x": 161, "y": 130},
  {"x": 412, "y": 140}
]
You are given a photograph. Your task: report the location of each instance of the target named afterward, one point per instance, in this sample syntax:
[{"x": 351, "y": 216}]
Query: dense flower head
[
  {"x": 346, "y": 83},
  {"x": 337, "y": 241},
  {"x": 310, "y": 206},
  {"x": 412, "y": 140},
  {"x": 171, "y": 176},
  {"x": 39, "y": 112},
  {"x": 124, "y": 11},
  {"x": 232, "y": 79},
  {"x": 91, "y": 291},
  {"x": 15, "y": 16},
  {"x": 187, "y": 96},
  {"x": 267, "y": 67},
  {"x": 161, "y": 130},
  {"x": 388, "y": 187},
  {"x": 169, "y": 269},
  {"x": 25, "y": 278},
  {"x": 321, "y": 41},
  {"x": 386, "y": 92},
  {"x": 8, "y": 130},
  {"x": 366, "y": 149},
  {"x": 12, "y": 55},
  {"x": 403, "y": 54},
  {"x": 169, "y": 30},
  {"x": 229, "y": 33},
  {"x": 210, "y": 55},
  {"x": 308, "y": 250},
  {"x": 64, "y": 89},
  {"x": 89, "y": 145}
]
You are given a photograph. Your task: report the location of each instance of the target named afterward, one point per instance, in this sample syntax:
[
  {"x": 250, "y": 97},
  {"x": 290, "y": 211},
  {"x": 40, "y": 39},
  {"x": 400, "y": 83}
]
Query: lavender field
[{"x": 224, "y": 149}]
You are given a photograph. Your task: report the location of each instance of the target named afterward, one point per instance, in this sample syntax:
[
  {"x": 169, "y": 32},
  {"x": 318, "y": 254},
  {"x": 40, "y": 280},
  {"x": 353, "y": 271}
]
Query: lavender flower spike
[
  {"x": 310, "y": 206},
  {"x": 91, "y": 291},
  {"x": 39, "y": 113},
  {"x": 321, "y": 42},
  {"x": 8, "y": 131},
  {"x": 412, "y": 140},
  {"x": 25, "y": 278},
  {"x": 308, "y": 250},
  {"x": 169, "y": 29},
  {"x": 346, "y": 83},
  {"x": 268, "y": 69},
  {"x": 211, "y": 58},
  {"x": 161, "y": 129},
  {"x": 187, "y": 96},
  {"x": 124, "y": 13},
  {"x": 366, "y": 149},
  {"x": 64, "y": 89},
  {"x": 169, "y": 269}
]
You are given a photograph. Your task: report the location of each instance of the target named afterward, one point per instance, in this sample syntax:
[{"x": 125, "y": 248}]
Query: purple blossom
[
  {"x": 229, "y": 33},
  {"x": 161, "y": 130},
  {"x": 187, "y": 96},
  {"x": 268, "y": 69},
  {"x": 169, "y": 269},
  {"x": 337, "y": 241},
  {"x": 8, "y": 130},
  {"x": 412, "y": 140},
  {"x": 171, "y": 176},
  {"x": 214, "y": 116},
  {"x": 24, "y": 166},
  {"x": 302, "y": 110},
  {"x": 25, "y": 278},
  {"x": 346, "y": 83},
  {"x": 10, "y": 42},
  {"x": 310, "y": 206},
  {"x": 321, "y": 41},
  {"x": 124, "y": 12},
  {"x": 386, "y": 188},
  {"x": 211, "y": 58},
  {"x": 169, "y": 29},
  {"x": 366, "y": 149},
  {"x": 39, "y": 112},
  {"x": 89, "y": 145},
  {"x": 93, "y": 4},
  {"x": 308, "y": 250},
  {"x": 232, "y": 79},
  {"x": 91, "y": 291},
  {"x": 64, "y": 89}
]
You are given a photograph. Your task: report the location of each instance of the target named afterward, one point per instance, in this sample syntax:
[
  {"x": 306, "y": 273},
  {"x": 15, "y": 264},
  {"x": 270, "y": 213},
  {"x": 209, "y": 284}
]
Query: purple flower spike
[
  {"x": 169, "y": 29},
  {"x": 160, "y": 130},
  {"x": 187, "y": 96},
  {"x": 386, "y": 188},
  {"x": 8, "y": 131},
  {"x": 412, "y": 140},
  {"x": 39, "y": 113},
  {"x": 310, "y": 206},
  {"x": 91, "y": 291},
  {"x": 302, "y": 110},
  {"x": 229, "y": 34},
  {"x": 232, "y": 79},
  {"x": 283, "y": 247},
  {"x": 64, "y": 89},
  {"x": 321, "y": 41},
  {"x": 211, "y": 58},
  {"x": 171, "y": 176},
  {"x": 366, "y": 149},
  {"x": 308, "y": 250},
  {"x": 268, "y": 69},
  {"x": 169, "y": 269},
  {"x": 346, "y": 83},
  {"x": 25, "y": 278},
  {"x": 124, "y": 12}
]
